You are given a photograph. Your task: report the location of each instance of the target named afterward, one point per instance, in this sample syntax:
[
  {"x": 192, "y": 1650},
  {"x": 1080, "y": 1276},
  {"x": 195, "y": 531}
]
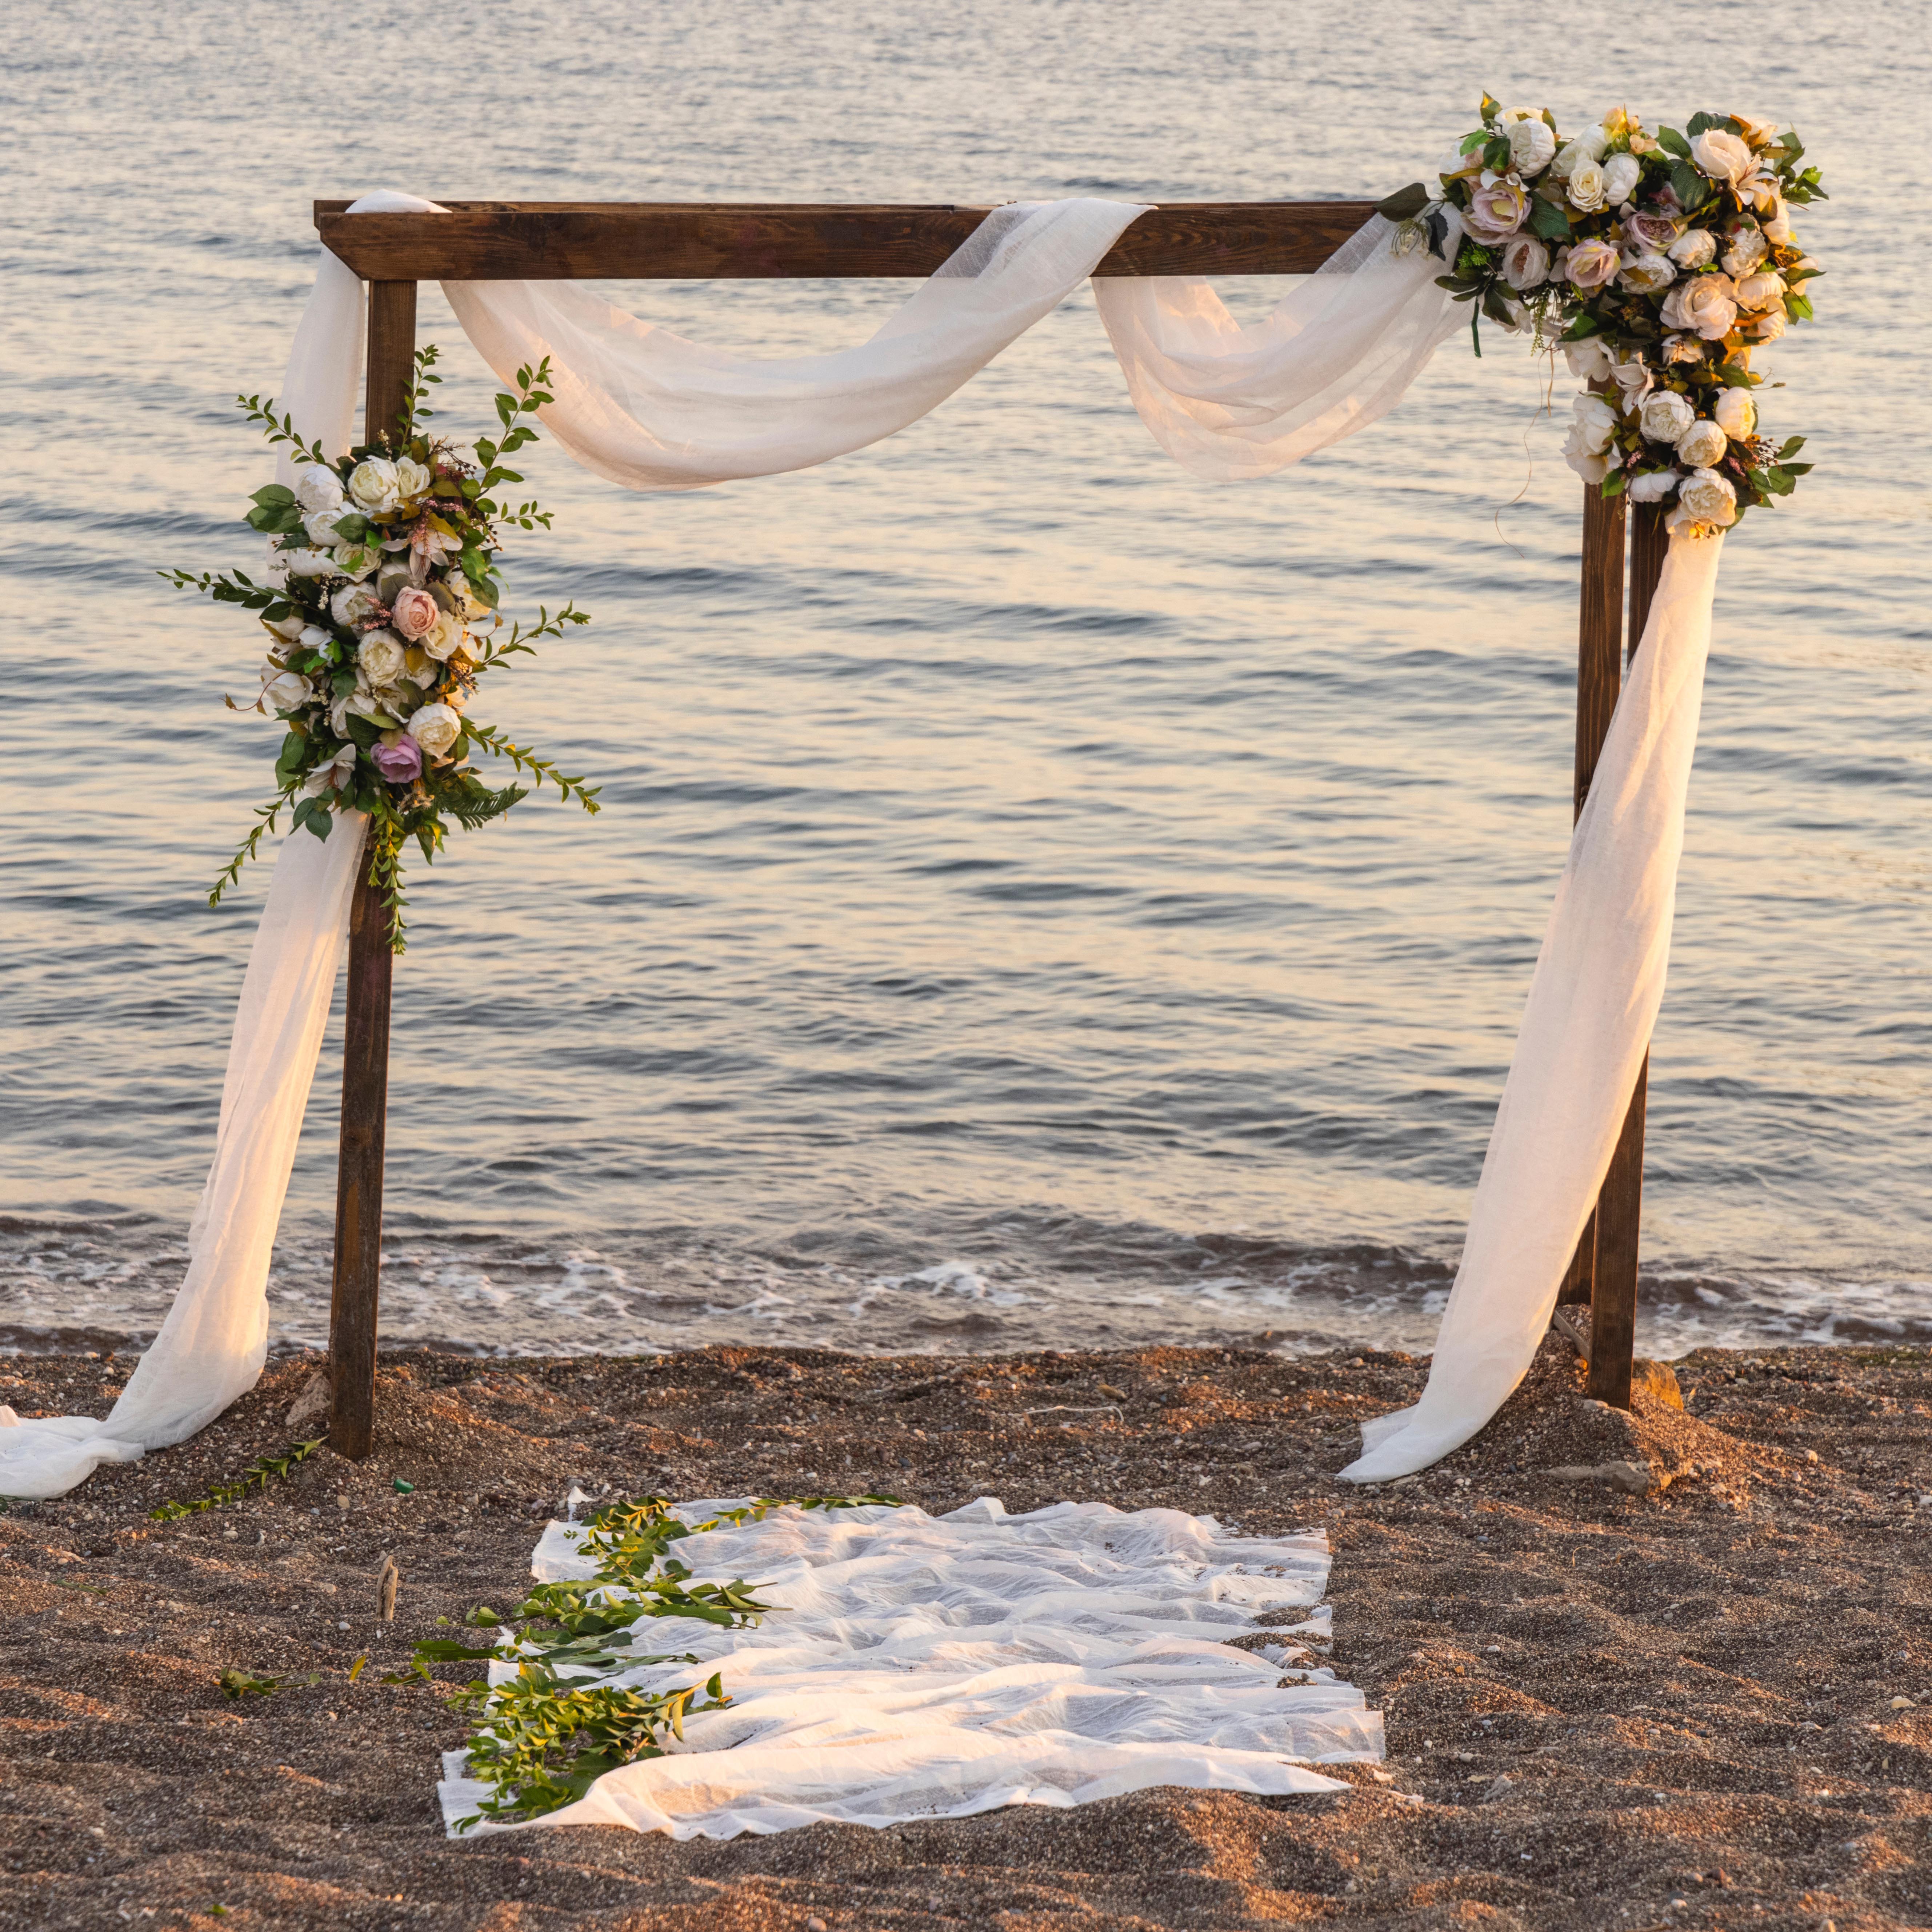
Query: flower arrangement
[
  {"x": 1659, "y": 261},
  {"x": 381, "y": 612}
]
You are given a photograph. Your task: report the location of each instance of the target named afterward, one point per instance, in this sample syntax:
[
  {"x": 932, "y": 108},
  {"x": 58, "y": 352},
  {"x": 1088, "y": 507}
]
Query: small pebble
[
  {"x": 1904, "y": 1704},
  {"x": 1811, "y": 1455},
  {"x": 814, "y": 1924}
]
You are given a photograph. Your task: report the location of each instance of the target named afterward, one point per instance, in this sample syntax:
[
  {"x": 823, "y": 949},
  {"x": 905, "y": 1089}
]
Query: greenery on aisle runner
[
  {"x": 540, "y": 1740},
  {"x": 257, "y": 1476}
]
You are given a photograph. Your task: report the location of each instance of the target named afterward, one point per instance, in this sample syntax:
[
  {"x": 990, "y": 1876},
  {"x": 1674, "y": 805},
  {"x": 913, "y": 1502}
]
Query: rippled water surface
[{"x": 1042, "y": 898}]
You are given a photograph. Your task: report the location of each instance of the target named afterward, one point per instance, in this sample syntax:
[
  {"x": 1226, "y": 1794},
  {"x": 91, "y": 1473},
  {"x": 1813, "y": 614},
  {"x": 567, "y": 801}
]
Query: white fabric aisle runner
[{"x": 935, "y": 1667}]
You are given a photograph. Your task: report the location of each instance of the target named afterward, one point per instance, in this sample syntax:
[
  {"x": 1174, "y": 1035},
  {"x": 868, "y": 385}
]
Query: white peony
[
  {"x": 1646, "y": 275},
  {"x": 1777, "y": 223},
  {"x": 1705, "y": 497},
  {"x": 1748, "y": 248},
  {"x": 1532, "y": 147},
  {"x": 1758, "y": 292},
  {"x": 413, "y": 478},
  {"x": 1589, "y": 360},
  {"x": 1701, "y": 445},
  {"x": 1665, "y": 415},
  {"x": 1721, "y": 156},
  {"x": 1525, "y": 260},
  {"x": 380, "y": 655},
  {"x": 1588, "y": 146},
  {"x": 287, "y": 692},
  {"x": 1706, "y": 305},
  {"x": 353, "y": 603},
  {"x": 373, "y": 484},
  {"x": 317, "y": 487},
  {"x": 306, "y": 562},
  {"x": 319, "y": 526},
  {"x": 1586, "y": 188},
  {"x": 313, "y": 638},
  {"x": 1653, "y": 486},
  {"x": 1735, "y": 413},
  {"x": 1621, "y": 173},
  {"x": 1695, "y": 248},
  {"x": 1513, "y": 117},
  {"x": 1769, "y": 326},
  {"x": 436, "y": 728},
  {"x": 287, "y": 629},
  {"x": 1594, "y": 421}
]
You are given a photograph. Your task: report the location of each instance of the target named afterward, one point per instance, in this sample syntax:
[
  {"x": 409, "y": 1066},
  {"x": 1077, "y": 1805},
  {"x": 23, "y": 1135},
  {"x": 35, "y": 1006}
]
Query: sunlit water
[{"x": 1042, "y": 898}]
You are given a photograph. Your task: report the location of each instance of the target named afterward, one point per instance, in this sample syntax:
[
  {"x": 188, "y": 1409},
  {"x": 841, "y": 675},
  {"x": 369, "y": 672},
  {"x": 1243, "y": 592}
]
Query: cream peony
[
  {"x": 1590, "y": 265},
  {"x": 413, "y": 478},
  {"x": 1532, "y": 147},
  {"x": 1594, "y": 422},
  {"x": 317, "y": 487},
  {"x": 1646, "y": 275},
  {"x": 1621, "y": 173},
  {"x": 1665, "y": 415},
  {"x": 1706, "y": 305},
  {"x": 353, "y": 603},
  {"x": 287, "y": 692},
  {"x": 1525, "y": 260},
  {"x": 1705, "y": 497},
  {"x": 380, "y": 655},
  {"x": 1585, "y": 187},
  {"x": 1703, "y": 444},
  {"x": 1695, "y": 248},
  {"x": 306, "y": 562},
  {"x": 319, "y": 526},
  {"x": 1747, "y": 248},
  {"x": 1721, "y": 156},
  {"x": 1735, "y": 413},
  {"x": 373, "y": 484},
  {"x": 1589, "y": 146},
  {"x": 1511, "y": 117},
  {"x": 1653, "y": 486},
  {"x": 1589, "y": 360},
  {"x": 436, "y": 728},
  {"x": 1758, "y": 292},
  {"x": 1498, "y": 205}
]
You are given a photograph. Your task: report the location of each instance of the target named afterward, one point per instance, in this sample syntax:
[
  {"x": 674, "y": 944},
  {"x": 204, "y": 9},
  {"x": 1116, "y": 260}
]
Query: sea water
[{"x": 1040, "y": 899}]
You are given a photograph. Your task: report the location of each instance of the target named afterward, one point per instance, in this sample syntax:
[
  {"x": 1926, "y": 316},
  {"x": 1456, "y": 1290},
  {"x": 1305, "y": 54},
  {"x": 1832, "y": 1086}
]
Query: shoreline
[{"x": 1602, "y": 1707}]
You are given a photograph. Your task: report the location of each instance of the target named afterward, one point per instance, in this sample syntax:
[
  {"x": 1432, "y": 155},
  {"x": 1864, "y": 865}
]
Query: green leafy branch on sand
[
  {"x": 258, "y": 1475},
  {"x": 539, "y": 1740},
  {"x": 236, "y": 1683}
]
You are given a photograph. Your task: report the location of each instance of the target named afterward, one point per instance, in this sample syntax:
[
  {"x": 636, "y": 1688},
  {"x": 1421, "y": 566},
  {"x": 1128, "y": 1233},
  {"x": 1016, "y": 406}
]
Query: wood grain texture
[
  {"x": 392, "y": 359},
  {"x": 1613, "y": 1296},
  {"x": 703, "y": 241},
  {"x": 1649, "y": 541},
  {"x": 358, "y": 1174}
]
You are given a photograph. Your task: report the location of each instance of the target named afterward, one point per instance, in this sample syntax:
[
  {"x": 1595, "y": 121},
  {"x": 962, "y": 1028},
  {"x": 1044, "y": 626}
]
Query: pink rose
[
  {"x": 1591, "y": 264},
  {"x": 1654, "y": 233},
  {"x": 401, "y": 763},
  {"x": 414, "y": 612},
  {"x": 1497, "y": 208}
]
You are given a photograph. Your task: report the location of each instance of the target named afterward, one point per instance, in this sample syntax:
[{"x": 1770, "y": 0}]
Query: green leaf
[
  {"x": 1614, "y": 483},
  {"x": 1699, "y": 124},
  {"x": 1548, "y": 220},
  {"x": 1799, "y": 469},
  {"x": 1798, "y": 307},
  {"x": 1792, "y": 446},
  {"x": 1471, "y": 143},
  {"x": 271, "y": 493},
  {"x": 1496, "y": 155},
  {"x": 1672, "y": 141},
  {"x": 1688, "y": 186},
  {"x": 1490, "y": 109}
]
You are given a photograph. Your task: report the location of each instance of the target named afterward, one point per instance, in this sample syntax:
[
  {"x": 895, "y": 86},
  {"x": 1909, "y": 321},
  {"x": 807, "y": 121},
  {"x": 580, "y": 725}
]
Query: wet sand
[{"x": 1604, "y": 1709}]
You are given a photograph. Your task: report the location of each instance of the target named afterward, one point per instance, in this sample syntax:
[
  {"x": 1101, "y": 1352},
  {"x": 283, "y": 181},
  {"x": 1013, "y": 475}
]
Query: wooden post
[
  {"x": 365, "y": 1042},
  {"x": 1619, "y": 1217},
  {"x": 1599, "y": 642}
]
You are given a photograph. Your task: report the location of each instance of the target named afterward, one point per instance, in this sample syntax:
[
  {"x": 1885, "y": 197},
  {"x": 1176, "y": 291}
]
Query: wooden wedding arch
[{"x": 497, "y": 240}]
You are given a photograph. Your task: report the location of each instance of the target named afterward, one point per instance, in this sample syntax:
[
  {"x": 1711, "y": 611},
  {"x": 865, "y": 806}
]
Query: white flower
[
  {"x": 1532, "y": 146},
  {"x": 319, "y": 526},
  {"x": 445, "y": 637},
  {"x": 288, "y": 628},
  {"x": 1769, "y": 326},
  {"x": 1759, "y": 132},
  {"x": 1621, "y": 173},
  {"x": 1748, "y": 248},
  {"x": 1735, "y": 413},
  {"x": 1705, "y": 497},
  {"x": 1588, "y": 146},
  {"x": 1777, "y": 222},
  {"x": 1653, "y": 486},
  {"x": 413, "y": 478},
  {"x": 1701, "y": 445},
  {"x": 1665, "y": 415},
  {"x": 1511, "y": 117},
  {"x": 1721, "y": 156},
  {"x": 1682, "y": 349},
  {"x": 317, "y": 487},
  {"x": 313, "y": 638},
  {"x": 1455, "y": 166},
  {"x": 1591, "y": 466},
  {"x": 1706, "y": 305},
  {"x": 356, "y": 560},
  {"x": 339, "y": 771},
  {"x": 1646, "y": 275},
  {"x": 1589, "y": 360},
  {"x": 1585, "y": 187},
  {"x": 1634, "y": 379},
  {"x": 353, "y": 603},
  {"x": 1695, "y": 248},
  {"x": 1589, "y": 265},
  {"x": 436, "y": 728},
  {"x": 287, "y": 692},
  {"x": 1758, "y": 292},
  {"x": 1525, "y": 260},
  {"x": 468, "y": 604},
  {"x": 307, "y": 562},
  {"x": 381, "y": 656},
  {"x": 1595, "y": 422},
  {"x": 373, "y": 484}
]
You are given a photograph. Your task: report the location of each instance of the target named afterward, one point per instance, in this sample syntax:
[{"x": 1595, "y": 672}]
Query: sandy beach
[{"x": 1604, "y": 1708}]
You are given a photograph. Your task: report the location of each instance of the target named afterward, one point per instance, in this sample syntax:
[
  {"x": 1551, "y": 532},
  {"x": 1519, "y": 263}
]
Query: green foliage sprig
[{"x": 258, "y": 1475}]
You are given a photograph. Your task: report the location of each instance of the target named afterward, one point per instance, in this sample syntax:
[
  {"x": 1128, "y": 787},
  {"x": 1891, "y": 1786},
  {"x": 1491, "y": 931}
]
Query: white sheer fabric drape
[
  {"x": 213, "y": 1343},
  {"x": 651, "y": 411}
]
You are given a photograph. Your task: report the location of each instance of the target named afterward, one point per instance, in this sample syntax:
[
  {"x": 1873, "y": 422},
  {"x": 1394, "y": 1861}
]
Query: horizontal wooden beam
[{"x": 527, "y": 241}]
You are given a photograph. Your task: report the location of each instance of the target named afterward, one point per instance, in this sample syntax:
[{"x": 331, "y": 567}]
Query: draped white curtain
[{"x": 651, "y": 411}]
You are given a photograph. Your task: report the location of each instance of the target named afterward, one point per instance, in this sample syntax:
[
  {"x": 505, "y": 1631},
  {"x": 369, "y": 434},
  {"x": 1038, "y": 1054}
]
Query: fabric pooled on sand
[{"x": 934, "y": 1667}]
